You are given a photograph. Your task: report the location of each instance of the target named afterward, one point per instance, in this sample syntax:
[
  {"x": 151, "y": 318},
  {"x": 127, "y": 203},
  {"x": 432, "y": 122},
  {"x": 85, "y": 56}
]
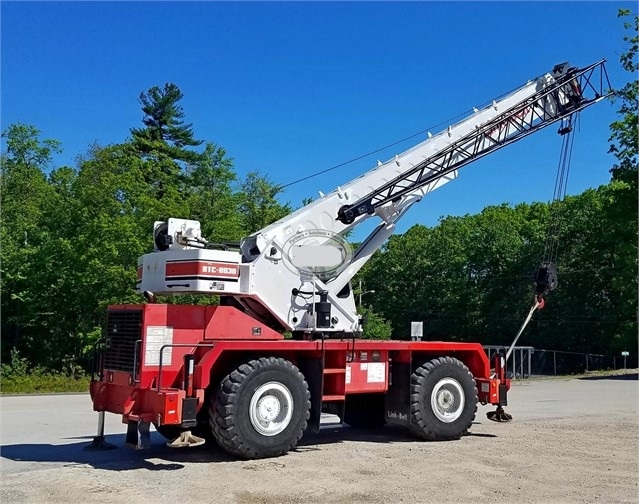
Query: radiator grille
[{"x": 124, "y": 328}]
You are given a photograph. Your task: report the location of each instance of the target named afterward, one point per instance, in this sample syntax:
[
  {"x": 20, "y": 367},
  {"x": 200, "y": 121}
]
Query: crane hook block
[{"x": 545, "y": 279}]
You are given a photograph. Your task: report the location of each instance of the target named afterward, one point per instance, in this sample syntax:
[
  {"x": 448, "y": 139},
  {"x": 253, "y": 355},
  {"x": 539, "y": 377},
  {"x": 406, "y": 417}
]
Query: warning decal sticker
[
  {"x": 376, "y": 372},
  {"x": 156, "y": 338}
]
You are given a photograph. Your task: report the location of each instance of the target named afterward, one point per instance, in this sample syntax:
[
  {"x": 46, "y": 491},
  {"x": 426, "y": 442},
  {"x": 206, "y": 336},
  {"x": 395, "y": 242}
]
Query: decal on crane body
[
  {"x": 156, "y": 339},
  {"x": 204, "y": 270}
]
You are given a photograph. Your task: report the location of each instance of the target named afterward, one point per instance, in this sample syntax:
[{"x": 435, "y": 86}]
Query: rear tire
[
  {"x": 443, "y": 399},
  {"x": 365, "y": 411},
  {"x": 261, "y": 409}
]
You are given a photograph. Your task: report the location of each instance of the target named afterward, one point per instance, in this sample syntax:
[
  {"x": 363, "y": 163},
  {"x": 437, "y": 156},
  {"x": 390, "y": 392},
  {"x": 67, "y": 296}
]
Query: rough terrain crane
[{"x": 227, "y": 374}]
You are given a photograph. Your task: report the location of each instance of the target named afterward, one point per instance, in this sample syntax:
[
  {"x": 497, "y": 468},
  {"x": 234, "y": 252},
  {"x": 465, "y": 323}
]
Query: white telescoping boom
[{"x": 273, "y": 277}]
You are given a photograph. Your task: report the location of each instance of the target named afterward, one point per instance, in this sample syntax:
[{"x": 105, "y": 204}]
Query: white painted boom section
[{"x": 321, "y": 213}]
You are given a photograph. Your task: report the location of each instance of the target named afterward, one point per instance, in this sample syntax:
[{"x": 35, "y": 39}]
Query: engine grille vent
[{"x": 124, "y": 328}]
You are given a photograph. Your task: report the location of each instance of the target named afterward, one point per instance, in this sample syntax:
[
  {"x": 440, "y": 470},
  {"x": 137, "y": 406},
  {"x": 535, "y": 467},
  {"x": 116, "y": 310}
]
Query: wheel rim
[
  {"x": 447, "y": 400},
  {"x": 271, "y": 408}
]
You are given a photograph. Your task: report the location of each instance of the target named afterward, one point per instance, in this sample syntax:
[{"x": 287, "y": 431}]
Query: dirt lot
[{"x": 572, "y": 440}]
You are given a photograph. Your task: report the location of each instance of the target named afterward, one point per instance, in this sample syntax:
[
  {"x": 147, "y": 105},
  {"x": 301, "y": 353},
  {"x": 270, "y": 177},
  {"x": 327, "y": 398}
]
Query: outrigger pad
[
  {"x": 185, "y": 440},
  {"x": 499, "y": 415}
]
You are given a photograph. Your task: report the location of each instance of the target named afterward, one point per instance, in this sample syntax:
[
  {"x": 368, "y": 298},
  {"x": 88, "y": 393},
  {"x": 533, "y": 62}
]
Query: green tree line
[
  {"x": 470, "y": 278},
  {"x": 71, "y": 236}
]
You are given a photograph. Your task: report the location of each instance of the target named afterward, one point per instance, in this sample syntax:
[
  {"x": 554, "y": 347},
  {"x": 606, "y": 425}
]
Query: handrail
[
  {"x": 138, "y": 344},
  {"x": 98, "y": 352},
  {"x": 178, "y": 345}
]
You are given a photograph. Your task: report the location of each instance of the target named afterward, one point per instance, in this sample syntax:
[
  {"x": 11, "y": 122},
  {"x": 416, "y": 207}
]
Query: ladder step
[
  {"x": 334, "y": 371},
  {"x": 333, "y": 398}
]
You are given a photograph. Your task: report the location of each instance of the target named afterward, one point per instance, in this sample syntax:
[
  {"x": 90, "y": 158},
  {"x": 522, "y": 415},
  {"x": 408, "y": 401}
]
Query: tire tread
[
  {"x": 222, "y": 415},
  {"x": 418, "y": 381}
]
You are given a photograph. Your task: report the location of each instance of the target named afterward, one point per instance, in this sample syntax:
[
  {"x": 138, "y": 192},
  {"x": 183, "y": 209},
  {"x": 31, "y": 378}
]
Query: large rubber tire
[
  {"x": 443, "y": 399},
  {"x": 364, "y": 411},
  {"x": 261, "y": 409}
]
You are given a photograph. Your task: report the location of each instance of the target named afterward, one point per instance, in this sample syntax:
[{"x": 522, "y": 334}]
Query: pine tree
[
  {"x": 163, "y": 144},
  {"x": 165, "y": 134}
]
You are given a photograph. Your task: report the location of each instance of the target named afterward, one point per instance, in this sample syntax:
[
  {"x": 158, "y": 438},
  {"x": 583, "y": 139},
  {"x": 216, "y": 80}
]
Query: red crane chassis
[{"x": 225, "y": 376}]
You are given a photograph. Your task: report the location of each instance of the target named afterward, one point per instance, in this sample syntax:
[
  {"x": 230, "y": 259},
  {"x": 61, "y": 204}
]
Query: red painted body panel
[
  {"x": 222, "y": 334},
  {"x": 135, "y": 403}
]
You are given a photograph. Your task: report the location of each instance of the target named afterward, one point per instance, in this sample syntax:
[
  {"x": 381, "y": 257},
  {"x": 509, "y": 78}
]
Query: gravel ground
[{"x": 572, "y": 440}]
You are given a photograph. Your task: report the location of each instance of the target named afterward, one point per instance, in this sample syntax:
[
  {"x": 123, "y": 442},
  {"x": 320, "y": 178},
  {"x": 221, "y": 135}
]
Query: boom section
[{"x": 557, "y": 95}]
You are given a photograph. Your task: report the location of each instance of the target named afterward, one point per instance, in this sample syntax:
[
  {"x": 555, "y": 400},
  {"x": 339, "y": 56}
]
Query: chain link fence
[{"x": 525, "y": 362}]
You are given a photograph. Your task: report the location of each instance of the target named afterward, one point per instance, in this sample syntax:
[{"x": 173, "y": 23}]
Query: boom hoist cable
[{"x": 545, "y": 278}]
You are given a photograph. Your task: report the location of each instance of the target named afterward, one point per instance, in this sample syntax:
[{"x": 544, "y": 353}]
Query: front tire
[
  {"x": 443, "y": 399},
  {"x": 261, "y": 409}
]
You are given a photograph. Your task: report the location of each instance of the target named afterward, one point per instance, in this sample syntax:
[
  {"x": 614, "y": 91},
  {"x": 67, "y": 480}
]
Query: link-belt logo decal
[{"x": 317, "y": 252}]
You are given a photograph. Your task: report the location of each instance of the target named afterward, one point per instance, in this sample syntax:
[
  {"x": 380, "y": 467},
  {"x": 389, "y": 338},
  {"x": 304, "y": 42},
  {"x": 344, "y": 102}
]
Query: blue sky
[{"x": 295, "y": 88}]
